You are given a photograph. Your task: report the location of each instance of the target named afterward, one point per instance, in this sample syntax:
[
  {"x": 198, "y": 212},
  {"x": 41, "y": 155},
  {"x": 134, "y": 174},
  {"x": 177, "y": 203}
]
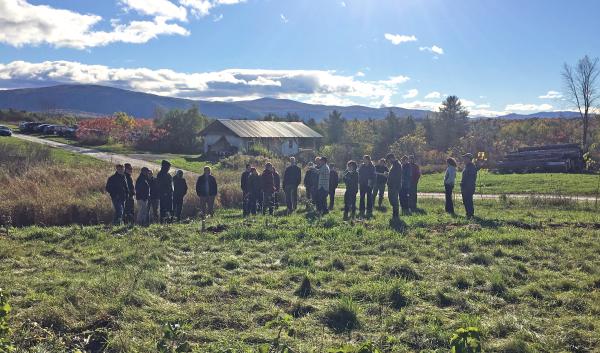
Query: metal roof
[{"x": 256, "y": 128}]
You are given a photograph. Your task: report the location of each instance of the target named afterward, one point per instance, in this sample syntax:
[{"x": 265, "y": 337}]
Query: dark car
[
  {"x": 28, "y": 127},
  {"x": 40, "y": 128},
  {"x": 5, "y": 131},
  {"x": 50, "y": 129}
]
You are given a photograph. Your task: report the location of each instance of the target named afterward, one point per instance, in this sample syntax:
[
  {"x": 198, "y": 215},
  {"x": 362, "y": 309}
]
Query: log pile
[{"x": 564, "y": 158}]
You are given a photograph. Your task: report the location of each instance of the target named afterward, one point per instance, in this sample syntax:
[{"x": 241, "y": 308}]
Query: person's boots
[
  {"x": 396, "y": 214},
  {"x": 353, "y": 214},
  {"x": 345, "y": 215}
]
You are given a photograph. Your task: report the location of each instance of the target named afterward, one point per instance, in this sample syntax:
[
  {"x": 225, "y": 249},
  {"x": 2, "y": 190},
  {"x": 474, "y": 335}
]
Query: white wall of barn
[{"x": 284, "y": 147}]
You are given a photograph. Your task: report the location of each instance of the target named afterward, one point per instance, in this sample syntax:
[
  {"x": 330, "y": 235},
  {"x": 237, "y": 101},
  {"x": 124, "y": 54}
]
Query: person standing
[
  {"x": 268, "y": 188},
  {"x": 254, "y": 190},
  {"x": 467, "y": 184},
  {"x": 129, "y": 212},
  {"x": 366, "y": 180},
  {"x": 415, "y": 173},
  {"x": 206, "y": 189},
  {"x": 180, "y": 188},
  {"x": 154, "y": 196},
  {"x": 117, "y": 188},
  {"x": 277, "y": 183},
  {"x": 406, "y": 184},
  {"x": 292, "y": 177},
  {"x": 310, "y": 180},
  {"x": 334, "y": 181},
  {"x": 165, "y": 189},
  {"x": 394, "y": 182},
  {"x": 323, "y": 186},
  {"x": 245, "y": 190},
  {"x": 142, "y": 195},
  {"x": 351, "y": 180},
  {"x": 449, "y": 179},
  {"x": 381, "y": 170}
]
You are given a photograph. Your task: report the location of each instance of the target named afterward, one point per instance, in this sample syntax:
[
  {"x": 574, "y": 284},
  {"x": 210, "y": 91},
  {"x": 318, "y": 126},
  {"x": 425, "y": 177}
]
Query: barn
[{"x": 225, "y": 137}]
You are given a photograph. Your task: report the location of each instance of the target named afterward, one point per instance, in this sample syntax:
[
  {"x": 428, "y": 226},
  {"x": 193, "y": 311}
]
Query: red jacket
[{"x": 268, "y": 181}]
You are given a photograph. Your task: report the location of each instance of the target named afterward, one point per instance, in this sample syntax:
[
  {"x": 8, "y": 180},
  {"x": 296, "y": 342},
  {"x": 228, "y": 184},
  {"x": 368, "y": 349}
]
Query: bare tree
[{"x": 582, "y": 91}]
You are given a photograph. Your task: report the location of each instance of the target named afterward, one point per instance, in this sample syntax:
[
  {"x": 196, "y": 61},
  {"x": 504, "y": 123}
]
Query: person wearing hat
[
  {"x": 180, "y": 188},
  {"x": 467, "y": 184},
  {"x": 165, "y": 188},
  {"x": 142, "y": 195}
]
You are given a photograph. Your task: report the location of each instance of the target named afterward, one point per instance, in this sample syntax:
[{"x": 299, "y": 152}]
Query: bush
[{"x": 342, "y": 316}]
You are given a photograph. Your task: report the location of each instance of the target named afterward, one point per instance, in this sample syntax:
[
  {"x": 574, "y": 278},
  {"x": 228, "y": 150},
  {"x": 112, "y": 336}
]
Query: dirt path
[{"x": 136, "y": 161}]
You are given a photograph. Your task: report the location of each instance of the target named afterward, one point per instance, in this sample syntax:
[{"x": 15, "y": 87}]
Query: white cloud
[
  {"x": 434, "y": 49},
  {"x": 24, "y": 24},
  {"x": 520, "y": 107},
  {"x": 411, "y": 93},
  {"x": 218, "y": 18},
  {"x": 343, "y": 4},
  {"x": 162, "y": 8},
  {"x": 360, "y": 74},
  {"x": 433, "y": 95},
  {"x": 283, "y": 18},
  {"x": 551, "y": 95},
  {"x": 307, "y": 85},
  {"x": 422, "y": 105},
  {"x": 201, "y": 8},
  {"x": 398, "y": 39}
]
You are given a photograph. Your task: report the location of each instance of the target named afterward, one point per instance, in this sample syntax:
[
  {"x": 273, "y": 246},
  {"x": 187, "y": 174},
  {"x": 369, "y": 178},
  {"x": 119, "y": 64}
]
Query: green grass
[
  {"x": 491, "y": 183},
  {"x": 57, "y": 155},
  {"x": 525, "y": 272}
]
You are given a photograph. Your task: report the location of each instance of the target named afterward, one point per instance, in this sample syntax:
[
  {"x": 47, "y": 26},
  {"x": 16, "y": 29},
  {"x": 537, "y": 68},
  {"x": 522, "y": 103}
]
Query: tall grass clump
[{"x": 342, "y": 316}]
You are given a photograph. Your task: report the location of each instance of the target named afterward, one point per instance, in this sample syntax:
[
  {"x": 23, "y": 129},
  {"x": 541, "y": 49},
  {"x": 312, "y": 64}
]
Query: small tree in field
[
  {"x": 181, "y": 129},
  {"x": 581, "y": 88}
]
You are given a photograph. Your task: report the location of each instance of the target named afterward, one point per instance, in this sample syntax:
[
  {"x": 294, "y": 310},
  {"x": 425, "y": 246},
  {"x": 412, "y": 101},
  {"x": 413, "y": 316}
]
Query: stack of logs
[{"x": 565, "y": 158}]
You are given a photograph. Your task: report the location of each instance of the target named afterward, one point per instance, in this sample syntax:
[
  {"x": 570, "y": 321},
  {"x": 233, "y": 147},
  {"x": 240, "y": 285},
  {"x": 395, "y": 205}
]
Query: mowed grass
[
  {"x": 526, "y": 273},
  {"x": 537, "y": 183}
]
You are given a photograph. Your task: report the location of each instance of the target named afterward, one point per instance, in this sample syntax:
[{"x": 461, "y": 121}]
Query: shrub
[{"x": 342, "y": 316}]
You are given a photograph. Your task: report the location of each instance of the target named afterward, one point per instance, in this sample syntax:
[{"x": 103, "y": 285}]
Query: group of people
[{"x": 160, "y": 198}]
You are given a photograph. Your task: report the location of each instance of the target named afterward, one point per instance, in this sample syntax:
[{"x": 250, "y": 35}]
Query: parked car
[
  {"x": 5, "y": 131},
  {"x": 28, "y": 127},
  {"x": 40, "y": 128}
]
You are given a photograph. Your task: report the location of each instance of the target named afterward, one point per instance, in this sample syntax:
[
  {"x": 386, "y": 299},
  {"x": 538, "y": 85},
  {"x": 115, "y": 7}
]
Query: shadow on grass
[{"x": 398, "y": 225}]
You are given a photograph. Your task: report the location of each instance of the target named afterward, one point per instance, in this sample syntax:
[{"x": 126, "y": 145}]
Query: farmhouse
[{"x": 224, "y": 136}]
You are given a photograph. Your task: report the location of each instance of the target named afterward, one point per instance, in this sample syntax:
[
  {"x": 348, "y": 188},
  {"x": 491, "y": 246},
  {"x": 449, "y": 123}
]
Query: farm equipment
[{"x": 562, "y": 158}]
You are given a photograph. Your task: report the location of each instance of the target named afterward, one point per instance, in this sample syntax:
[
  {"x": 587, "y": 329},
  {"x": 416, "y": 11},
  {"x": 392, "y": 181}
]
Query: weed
[
  {"x": 305, "y": 289},
  {"x": 466, "y": 340},
  {"x": 342, "y": 316}
]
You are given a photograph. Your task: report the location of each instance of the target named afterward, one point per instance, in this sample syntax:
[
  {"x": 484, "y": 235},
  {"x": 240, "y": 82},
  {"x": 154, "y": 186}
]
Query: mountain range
[{"x": 95, "y": 100}]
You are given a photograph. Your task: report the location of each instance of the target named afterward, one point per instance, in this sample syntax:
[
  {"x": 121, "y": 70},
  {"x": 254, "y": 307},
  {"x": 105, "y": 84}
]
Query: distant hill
[
  {"x": 565, "y": 115},
  {"x": 95, "y": 100}
]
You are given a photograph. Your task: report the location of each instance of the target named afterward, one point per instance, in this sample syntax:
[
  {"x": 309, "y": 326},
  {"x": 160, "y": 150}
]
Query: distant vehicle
[
  {"x": 563, "y": 158},
  {"x": 5, "y": 131},
  {"x": 40, "y": 128},
  {"x": 28, "y": 127},
  {"x": 49, "y": 130}
]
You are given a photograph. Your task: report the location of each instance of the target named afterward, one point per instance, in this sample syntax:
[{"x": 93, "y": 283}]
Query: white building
[{"x": 224, "y": 136}]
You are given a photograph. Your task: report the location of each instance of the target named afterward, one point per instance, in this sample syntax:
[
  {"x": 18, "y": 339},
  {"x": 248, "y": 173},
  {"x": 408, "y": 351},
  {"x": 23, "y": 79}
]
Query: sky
[{"x": 497, "y": 56}]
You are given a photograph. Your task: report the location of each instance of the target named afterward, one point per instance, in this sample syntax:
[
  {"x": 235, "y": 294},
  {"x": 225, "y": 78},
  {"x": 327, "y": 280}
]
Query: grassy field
[
  {"x": 525, "y": 273},
  {"x": 491, "y": 183}
]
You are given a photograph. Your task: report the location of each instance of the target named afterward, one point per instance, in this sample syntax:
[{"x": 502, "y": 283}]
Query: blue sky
[{"x": 498, "y": 56}]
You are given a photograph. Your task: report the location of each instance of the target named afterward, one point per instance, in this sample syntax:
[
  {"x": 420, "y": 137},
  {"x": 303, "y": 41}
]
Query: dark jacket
[
  {"x": 415, "y": 173},
  {"x": 406, "y": 176},
  {"x": 130, "y": 185},
  {"x": 394, "y": 180},
  {"x": 380, "y": 169},
  {"x": 334, "y": 180},
  {"x": 311, "y": 179},
  {"x": 254, "y": 184},
  {"x": 351, "y": 181},
  {"x": 201, "y": 186},
  {"x": 116, "y": 186},
  {"x": 244, "y": 181},
  {"x": 469, "y": 179},
  {"x": 366, "y": 174},
  {"x": 142, "y": 188},
  {"x": 292, "y": 176},
  {"x": 180, "y": 187},
  {"x": 154, "y": 188},
  {"x": 165, "y": 183},
  {"x": 267, "y": 181},
  {"x": 276, "y": 180}
]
